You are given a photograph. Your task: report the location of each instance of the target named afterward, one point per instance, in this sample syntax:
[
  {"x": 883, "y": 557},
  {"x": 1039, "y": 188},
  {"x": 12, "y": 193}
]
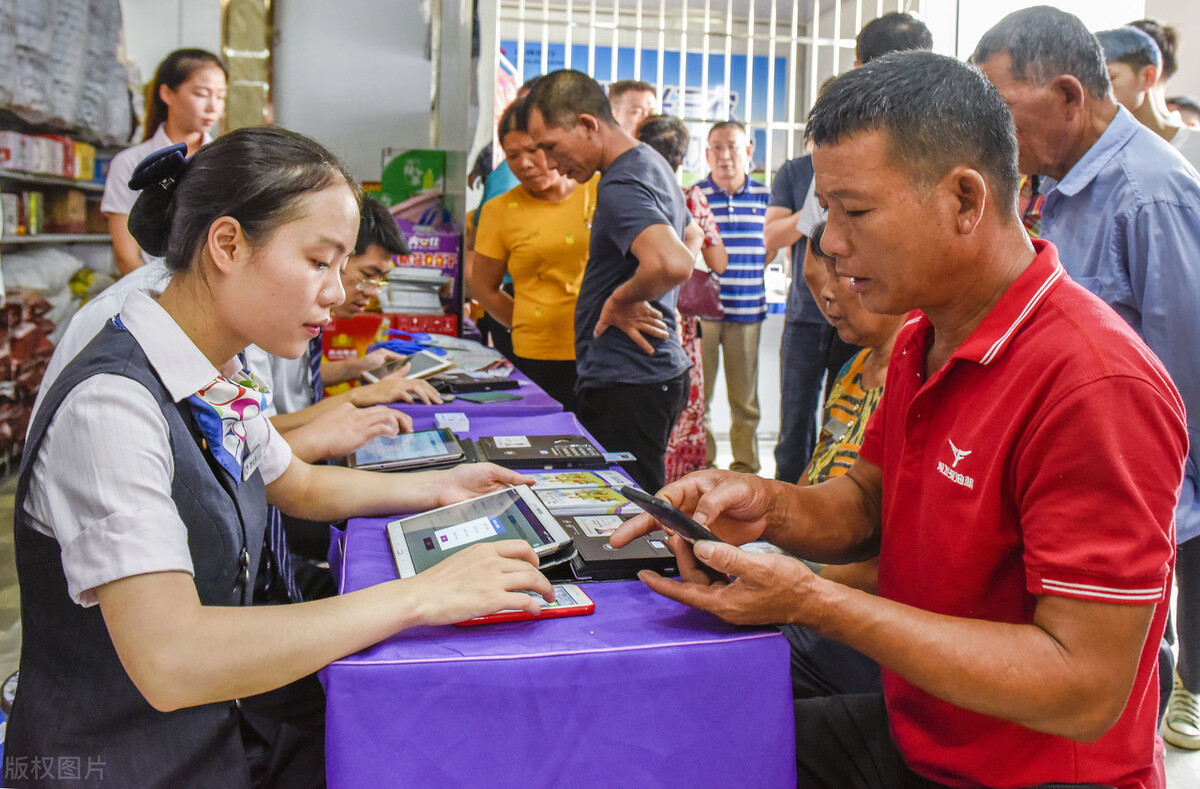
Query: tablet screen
[
  {"x": 504, "y": 515},
  {"x": 407, "y": 448}
]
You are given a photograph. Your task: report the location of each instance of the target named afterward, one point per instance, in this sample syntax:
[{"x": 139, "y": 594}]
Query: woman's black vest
[{"x": 77, "y": 716}]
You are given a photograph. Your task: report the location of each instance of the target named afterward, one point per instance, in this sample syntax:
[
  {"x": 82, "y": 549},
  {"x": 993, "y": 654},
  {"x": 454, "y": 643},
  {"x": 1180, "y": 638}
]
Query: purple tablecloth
[{"x": 643, "y": 693}]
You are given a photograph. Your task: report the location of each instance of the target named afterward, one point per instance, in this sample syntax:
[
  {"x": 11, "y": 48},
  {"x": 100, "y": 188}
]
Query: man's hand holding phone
[
  {"x": 755, "y": 588},
  {"x": 727, "y": 503}
]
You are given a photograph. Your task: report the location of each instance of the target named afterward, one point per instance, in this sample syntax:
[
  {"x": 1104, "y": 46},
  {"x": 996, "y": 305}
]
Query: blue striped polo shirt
[{"x": 740, "y": 217}]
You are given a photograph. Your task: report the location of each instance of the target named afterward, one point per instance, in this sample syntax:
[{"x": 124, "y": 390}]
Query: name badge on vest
[{"x": 250, "y": 462}]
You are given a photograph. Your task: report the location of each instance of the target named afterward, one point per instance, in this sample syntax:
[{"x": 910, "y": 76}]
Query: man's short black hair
[
  {"x": 730, "y": 124},
  {"x": 894, "y": 32},
  {"x": 1130, "y": 46},
  {"x": 936, "y": 112},
  {"x": 1045, "y": 43},
  {"x": 1167, "y": 40},
  {"x": 623, "y": 86},
  {"x": 668, "y": 135},
  {"x": 562, "y": 96},
  {"x": 378, "y": 226}
]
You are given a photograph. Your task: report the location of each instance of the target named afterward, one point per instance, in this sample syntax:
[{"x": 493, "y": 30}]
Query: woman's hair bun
[{"x": 157, "y": 177}]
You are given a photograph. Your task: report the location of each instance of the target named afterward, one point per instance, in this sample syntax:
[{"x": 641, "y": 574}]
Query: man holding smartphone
[{"x": 1023, "y": 522}]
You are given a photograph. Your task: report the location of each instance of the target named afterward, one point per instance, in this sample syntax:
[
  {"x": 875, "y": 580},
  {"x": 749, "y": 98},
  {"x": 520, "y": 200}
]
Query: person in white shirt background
[
  {"x": 187, "y": 99},
  {"x": 104, "y": 544}
]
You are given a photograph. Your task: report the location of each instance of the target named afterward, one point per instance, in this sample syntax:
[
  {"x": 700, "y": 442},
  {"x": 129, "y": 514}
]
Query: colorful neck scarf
[{"x": 221, "y": 410}]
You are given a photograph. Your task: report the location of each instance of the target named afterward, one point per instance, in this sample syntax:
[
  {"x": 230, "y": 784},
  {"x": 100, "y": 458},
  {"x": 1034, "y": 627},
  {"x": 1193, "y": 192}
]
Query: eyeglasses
[{"x": 375, "y": 285}]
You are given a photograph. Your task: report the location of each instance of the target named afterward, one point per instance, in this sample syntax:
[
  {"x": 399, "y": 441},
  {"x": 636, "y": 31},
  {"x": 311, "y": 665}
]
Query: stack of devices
[
  {"x": 454, "y": 382},
  {"x": 420, "y": 541},
  {"x": 440, "y": 448},
  {"x": 599, "y": 561},
  {"x": 540, "y": 452}
]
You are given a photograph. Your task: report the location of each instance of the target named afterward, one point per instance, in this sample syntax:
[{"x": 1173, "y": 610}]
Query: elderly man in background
[{"x": 1123, "y": 208}]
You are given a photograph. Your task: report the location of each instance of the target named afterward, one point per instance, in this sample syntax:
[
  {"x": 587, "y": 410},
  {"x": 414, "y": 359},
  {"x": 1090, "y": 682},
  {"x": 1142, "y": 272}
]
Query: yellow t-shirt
[{"x": 546, "y": 248}]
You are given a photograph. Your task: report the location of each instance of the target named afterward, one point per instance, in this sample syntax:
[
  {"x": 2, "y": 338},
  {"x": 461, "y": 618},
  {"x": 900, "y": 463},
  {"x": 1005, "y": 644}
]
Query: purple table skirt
[{"x": 643, "y": 693}]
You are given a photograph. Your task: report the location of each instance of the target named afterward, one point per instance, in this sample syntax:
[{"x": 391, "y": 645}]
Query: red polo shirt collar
[{"x": 992, "y": 337}]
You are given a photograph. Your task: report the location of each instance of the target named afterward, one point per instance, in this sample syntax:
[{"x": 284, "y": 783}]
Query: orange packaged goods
[{"x": 349, "y": 338}]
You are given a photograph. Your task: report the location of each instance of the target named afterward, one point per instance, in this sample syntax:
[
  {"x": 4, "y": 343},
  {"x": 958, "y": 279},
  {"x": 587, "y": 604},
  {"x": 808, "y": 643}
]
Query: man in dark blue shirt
[{"x": 633, "y": 372}]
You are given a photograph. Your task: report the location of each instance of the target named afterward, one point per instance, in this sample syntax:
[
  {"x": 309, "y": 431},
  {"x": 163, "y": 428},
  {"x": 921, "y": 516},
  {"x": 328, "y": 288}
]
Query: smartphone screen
[{"x": 569, "y": 600}]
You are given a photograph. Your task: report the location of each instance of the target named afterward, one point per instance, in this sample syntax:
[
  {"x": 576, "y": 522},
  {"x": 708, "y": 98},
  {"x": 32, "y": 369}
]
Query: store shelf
[
  {"x": 49, "y": 180},
  {"x": 59, "y": 238}
]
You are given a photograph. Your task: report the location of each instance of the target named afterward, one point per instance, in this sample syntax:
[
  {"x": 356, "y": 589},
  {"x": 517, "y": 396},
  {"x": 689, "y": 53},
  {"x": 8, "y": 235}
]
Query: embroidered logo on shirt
[
  {"x": 959, "y": 454},
  {"x": 948, "y": 471}
]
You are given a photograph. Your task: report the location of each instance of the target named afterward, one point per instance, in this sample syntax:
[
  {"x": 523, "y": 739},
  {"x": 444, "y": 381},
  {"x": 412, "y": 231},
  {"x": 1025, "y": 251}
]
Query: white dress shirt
[{"x": 101, "y": 483}]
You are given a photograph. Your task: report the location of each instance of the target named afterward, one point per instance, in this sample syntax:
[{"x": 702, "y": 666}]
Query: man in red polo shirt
[{"x": 1018, "y": 479}]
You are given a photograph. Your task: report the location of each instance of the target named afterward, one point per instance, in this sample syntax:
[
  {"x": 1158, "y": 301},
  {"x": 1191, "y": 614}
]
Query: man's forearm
[
  {"x": 779, "y": 230},
  {"x": 1015, "y": 672}
]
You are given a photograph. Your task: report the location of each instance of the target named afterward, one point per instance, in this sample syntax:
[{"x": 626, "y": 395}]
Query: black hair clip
[{"x": 162, "y": 168}]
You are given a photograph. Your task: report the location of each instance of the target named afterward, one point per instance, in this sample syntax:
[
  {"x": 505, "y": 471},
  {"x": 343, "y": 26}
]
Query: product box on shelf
[
  {"x": 85, "y": 161},
  {"x": 46, "y": 155},
  {"x": 431, "y": 248},
  {"x": 13, "y": 153},
  {"x": 66, "y": 211},
  {"x": 431, "y": 324},
  {"x": 32, "y": 213},
  {"x": 100, "y": 171},
  {"x": 10, "y": 208}
]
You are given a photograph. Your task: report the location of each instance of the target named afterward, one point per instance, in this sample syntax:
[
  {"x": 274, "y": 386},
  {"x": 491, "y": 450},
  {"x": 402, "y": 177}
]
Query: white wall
[
  {"x": 1184, "y": 15},
  {"x": 353, "y": 74},
  {"x": 154, "y": 28},
  {"x": 975, "y": 18}
]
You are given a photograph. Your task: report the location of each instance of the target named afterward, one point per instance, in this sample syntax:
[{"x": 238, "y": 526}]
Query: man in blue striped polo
[{"x": 739, "y": 204}]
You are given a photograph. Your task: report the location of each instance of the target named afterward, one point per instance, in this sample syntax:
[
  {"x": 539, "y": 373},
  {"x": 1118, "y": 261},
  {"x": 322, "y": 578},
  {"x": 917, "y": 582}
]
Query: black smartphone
[{"x": 670, "y": 516}]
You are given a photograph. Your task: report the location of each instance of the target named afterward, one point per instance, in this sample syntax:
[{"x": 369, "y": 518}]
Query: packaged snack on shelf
[
  {"x": 10, "y": 207},
  {"x": 66, "y": 211},
  {"x": 85, "y": 161},
  {"x": 13, "y": 153},
  {"x": 32, "y": 216}
]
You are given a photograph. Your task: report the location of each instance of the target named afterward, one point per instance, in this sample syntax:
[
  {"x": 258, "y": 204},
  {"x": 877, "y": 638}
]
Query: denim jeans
[{"x": 807, "y": 352}]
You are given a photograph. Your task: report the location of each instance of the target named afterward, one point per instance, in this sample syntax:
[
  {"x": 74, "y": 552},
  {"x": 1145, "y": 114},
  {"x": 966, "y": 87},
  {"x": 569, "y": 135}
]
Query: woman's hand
[
  {"x": 479, "y": 580},
  {"x": 343, "y": 429},
  {"x": 396, "y": 388},
  {"x": 469, "y": 480}
]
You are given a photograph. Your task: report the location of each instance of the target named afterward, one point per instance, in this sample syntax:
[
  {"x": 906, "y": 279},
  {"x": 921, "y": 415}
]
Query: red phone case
[{"x": 519, "y": 616}]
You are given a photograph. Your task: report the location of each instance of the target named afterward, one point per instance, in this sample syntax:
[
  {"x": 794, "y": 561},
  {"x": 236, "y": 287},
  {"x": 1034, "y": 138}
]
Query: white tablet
[
  {"x": 422, "y": 449},
  {"x": 421, "y": 541}
]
